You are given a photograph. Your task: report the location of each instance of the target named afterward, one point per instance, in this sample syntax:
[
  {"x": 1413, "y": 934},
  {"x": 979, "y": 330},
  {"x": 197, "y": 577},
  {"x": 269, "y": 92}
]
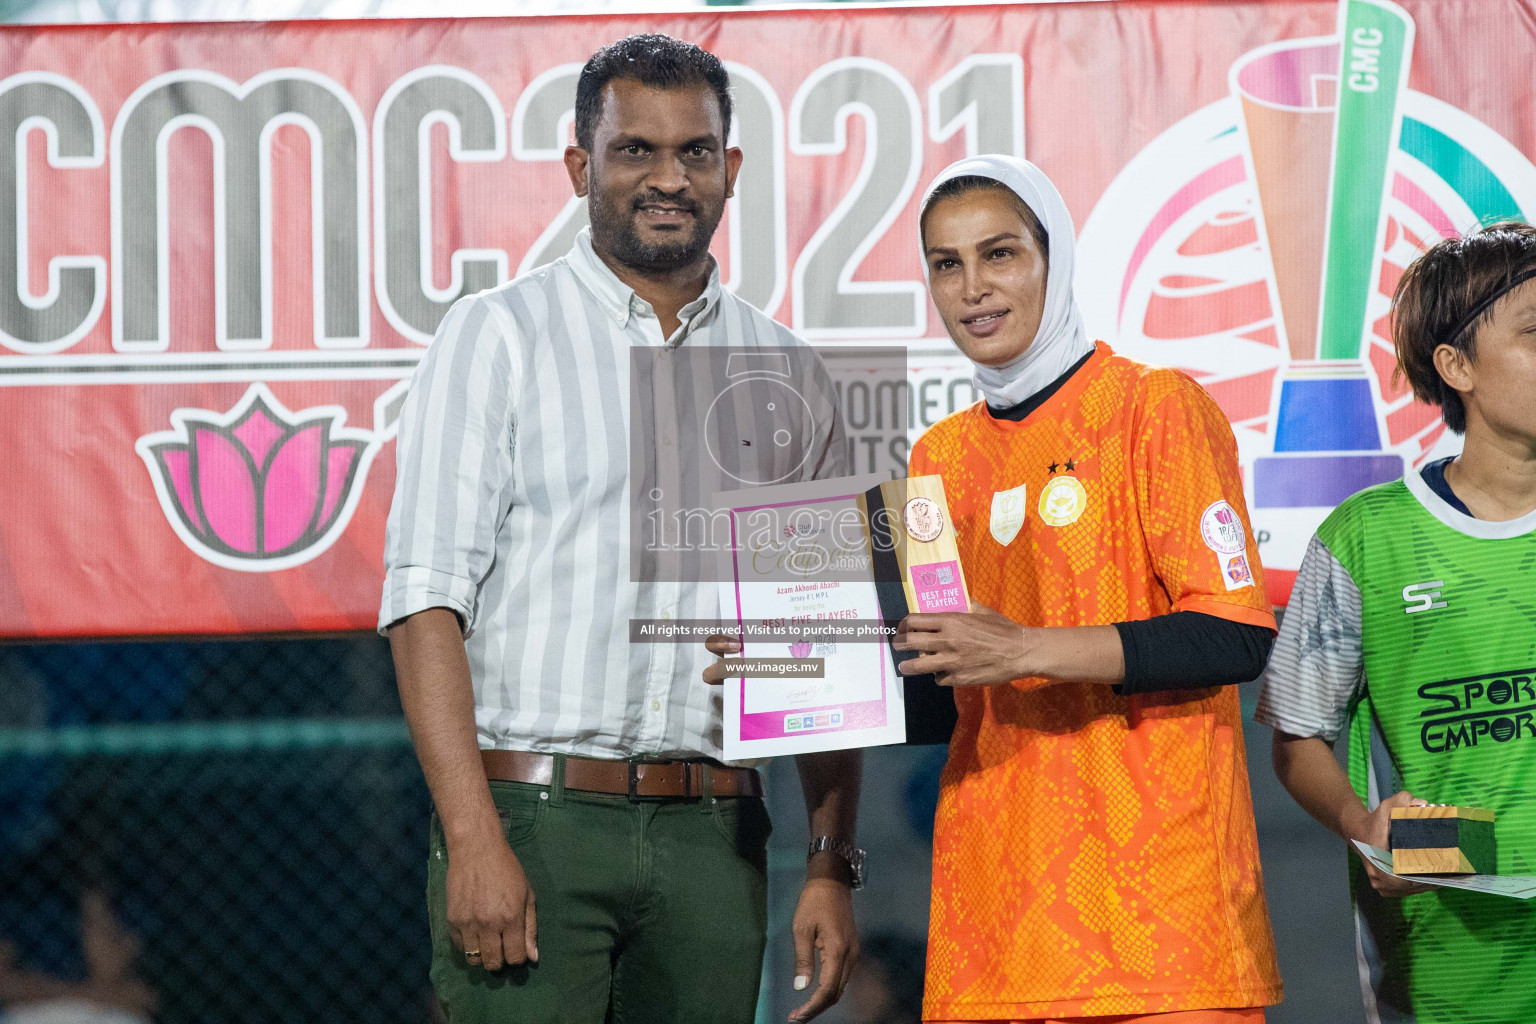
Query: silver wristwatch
[{"x": 850, "y": 853}]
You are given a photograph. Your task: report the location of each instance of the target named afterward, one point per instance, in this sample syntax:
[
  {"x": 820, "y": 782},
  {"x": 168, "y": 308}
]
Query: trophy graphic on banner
[{"x": 1322, "y": 118}]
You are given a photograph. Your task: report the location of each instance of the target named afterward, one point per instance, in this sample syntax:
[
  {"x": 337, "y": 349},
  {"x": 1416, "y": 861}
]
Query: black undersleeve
[{"x": 1185, "y": 650}]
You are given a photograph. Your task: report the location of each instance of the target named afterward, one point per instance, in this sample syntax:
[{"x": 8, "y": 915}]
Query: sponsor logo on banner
[
  {"x": 1007, "y": 514},
  {"x": 258, "y": 488},
  {"x": 1256, "y": 243},
  {"x": 1062, "y": 501}
]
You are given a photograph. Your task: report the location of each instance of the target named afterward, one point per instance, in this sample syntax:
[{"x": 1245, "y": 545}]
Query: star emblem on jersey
[
  {"x": 1007, "y": 514},
  {"x": 1063, "y": 501}
]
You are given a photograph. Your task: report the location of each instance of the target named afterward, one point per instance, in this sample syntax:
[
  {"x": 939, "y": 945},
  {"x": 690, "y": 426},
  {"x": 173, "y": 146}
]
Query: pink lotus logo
[
  {"x": 258, "y": 488},
  {"x": 1225, "y": 516}
]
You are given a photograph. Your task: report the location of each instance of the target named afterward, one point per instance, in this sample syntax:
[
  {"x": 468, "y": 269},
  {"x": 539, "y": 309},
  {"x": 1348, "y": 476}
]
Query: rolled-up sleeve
[{"x": 453, "y": 459}]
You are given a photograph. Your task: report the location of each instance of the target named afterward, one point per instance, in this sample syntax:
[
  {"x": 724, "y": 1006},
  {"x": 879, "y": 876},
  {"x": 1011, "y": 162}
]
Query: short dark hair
[
  {"x": 1438, "y": 292},
  {"x": 651, "y": 59},
  {"x": 979, "y": 183}
]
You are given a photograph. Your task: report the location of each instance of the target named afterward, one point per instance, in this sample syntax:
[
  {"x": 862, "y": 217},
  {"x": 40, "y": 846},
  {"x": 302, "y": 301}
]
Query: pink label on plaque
[{"x": 937, "y": 586}]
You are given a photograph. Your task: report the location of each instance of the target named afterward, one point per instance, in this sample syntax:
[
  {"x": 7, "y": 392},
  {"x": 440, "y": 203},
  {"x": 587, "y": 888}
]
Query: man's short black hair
[{"x": 651, "y": 59}]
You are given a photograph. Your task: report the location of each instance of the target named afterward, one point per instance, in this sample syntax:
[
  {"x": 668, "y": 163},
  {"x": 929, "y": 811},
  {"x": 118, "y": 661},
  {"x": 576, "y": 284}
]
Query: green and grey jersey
[{"x": 1413, "y": 627}]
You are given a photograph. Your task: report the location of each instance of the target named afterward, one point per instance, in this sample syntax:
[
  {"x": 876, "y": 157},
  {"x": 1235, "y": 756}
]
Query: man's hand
[
  {"x": 823, "y": 925},
  {"x": 490, "y": 904},
  {"x": 719, "y": 645},
  {"x": 976, "y": 648},
  {"x": 490, "y": 907},
  {"x": 1374, "y": 829}
]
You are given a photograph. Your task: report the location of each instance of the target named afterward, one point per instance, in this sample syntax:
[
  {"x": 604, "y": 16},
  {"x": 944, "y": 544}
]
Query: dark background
[{"x": 256, "y": 817}]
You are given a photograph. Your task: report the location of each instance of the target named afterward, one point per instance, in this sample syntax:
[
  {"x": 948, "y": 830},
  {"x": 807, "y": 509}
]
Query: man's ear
[
  {"x": 732, "y": 168},
  {"x": 578, "y": 163},
  {"x": 1455, "y": 368}
]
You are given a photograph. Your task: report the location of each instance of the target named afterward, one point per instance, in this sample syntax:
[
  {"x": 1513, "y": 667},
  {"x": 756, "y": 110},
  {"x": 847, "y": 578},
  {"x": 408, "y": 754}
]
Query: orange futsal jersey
[{"x": 1095, "y": 854}]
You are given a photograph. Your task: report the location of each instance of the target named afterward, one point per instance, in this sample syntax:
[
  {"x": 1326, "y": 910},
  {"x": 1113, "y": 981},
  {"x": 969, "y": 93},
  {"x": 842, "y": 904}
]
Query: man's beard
[{"x": 614, "y": 231}]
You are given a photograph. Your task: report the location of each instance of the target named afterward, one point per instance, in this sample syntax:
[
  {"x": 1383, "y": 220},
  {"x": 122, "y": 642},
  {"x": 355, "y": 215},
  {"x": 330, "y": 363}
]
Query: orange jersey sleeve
[{"x": 1189, "y": 492}]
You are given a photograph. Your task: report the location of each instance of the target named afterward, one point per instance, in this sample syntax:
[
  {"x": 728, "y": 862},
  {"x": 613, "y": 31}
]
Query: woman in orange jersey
[{"x": 1094, "y": 853}]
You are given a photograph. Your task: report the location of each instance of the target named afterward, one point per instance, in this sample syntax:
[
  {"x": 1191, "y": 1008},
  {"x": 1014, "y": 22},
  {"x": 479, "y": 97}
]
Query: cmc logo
[
  {"x": 259, "y": 488},
  {"x": 1256, "y": 243}
]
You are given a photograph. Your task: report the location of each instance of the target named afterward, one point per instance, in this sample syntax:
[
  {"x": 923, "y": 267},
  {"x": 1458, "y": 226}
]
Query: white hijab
[{"x": 1060, "y": 340}]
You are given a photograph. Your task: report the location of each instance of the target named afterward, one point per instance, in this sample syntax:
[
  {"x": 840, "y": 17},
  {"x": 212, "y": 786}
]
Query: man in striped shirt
[{"x": 513, "y": 575}]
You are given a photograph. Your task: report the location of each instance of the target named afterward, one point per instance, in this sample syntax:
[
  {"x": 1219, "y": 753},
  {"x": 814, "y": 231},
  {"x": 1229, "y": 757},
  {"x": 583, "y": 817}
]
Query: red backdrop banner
[{"x": 233, "y": 242}]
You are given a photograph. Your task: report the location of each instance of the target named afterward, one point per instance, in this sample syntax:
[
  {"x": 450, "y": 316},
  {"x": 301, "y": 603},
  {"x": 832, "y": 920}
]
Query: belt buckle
[{"x": 635, "y": 796}]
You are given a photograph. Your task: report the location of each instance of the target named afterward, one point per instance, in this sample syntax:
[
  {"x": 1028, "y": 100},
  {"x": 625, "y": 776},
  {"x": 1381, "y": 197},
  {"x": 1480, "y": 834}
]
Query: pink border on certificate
[{"x": 769, "y": 725}]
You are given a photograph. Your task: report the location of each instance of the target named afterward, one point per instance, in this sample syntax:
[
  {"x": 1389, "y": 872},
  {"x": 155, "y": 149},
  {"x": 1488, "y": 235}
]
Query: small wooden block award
[
  {"x": 1442, "y": 840},
  {"x": 916, "y": 563}
]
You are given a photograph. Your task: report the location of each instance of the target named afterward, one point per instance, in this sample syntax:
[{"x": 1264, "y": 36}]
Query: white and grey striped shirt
[{"x": 517, "y": 472}]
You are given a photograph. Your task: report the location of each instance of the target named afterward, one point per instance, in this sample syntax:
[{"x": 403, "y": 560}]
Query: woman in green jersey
[{"x": 1413, "y": 626}]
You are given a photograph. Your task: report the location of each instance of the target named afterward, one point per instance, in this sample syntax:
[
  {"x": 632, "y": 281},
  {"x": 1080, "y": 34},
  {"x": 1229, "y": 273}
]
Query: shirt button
[
  {"x": 667, "y": 441},
  {"x": 655, "y": 705}
]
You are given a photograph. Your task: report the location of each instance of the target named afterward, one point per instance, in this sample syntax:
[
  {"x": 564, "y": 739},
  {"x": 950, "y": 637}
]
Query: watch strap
[{"x": 847, "y": 851}]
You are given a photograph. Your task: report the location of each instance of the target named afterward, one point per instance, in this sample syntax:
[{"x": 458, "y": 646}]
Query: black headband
[{"x": 1482, "y": 307}]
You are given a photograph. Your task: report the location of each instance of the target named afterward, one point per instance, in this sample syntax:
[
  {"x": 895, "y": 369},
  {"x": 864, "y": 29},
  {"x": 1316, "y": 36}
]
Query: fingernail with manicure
[{"x": 801, "y": 981}]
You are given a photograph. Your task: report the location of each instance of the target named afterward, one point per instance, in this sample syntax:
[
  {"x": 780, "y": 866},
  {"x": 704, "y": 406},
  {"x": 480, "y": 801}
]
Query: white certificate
[
  {"x": 1520, "y": 887},
  {"x": 799, "y": 571}
]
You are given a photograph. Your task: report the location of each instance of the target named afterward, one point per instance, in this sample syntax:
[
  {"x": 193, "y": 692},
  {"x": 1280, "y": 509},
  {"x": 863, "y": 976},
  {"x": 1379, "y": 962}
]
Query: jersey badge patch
[
  {"x": 1222, "y": 530},
  {"x": 1007, "y": 514},
  {"x": 1062, "y": 501},
  {"x": 1423, "y": 597},
  {"x": 1235, "y": 572}
]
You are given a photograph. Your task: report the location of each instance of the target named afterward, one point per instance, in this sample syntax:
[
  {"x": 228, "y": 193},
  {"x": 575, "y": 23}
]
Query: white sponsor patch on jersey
[
  {"x": 1235, "y": 572},
  {"x": 1222, "y": 529},
  {"x": 1007, "y": 514},
  {"x": 1062, "y": 501}
]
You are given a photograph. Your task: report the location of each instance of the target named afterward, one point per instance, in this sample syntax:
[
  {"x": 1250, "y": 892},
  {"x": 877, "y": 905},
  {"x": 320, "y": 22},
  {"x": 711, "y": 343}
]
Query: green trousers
[{"x": 648, "y": 912}]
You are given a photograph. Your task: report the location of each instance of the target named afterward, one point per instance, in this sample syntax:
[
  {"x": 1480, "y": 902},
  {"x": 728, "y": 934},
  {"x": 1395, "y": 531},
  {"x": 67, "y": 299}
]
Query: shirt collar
[{"x": 618, "y": 299}]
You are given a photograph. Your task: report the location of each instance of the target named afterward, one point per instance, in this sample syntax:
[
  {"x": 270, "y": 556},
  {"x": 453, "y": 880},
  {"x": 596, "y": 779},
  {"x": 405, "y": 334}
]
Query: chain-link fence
[
  {"x": 211, "y": 832},
  {"x": 226, "y": 832}
]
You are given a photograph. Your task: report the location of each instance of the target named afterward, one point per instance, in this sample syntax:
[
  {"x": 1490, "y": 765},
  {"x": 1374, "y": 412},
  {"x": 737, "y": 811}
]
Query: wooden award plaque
[
  {"x": 916, "y": 563},
  {"x": 1442, "y": 840}
]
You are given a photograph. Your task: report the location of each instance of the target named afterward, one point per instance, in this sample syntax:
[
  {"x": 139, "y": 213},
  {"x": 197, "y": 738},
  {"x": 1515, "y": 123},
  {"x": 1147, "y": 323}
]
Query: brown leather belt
[{"x": 638, "y": 780}]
